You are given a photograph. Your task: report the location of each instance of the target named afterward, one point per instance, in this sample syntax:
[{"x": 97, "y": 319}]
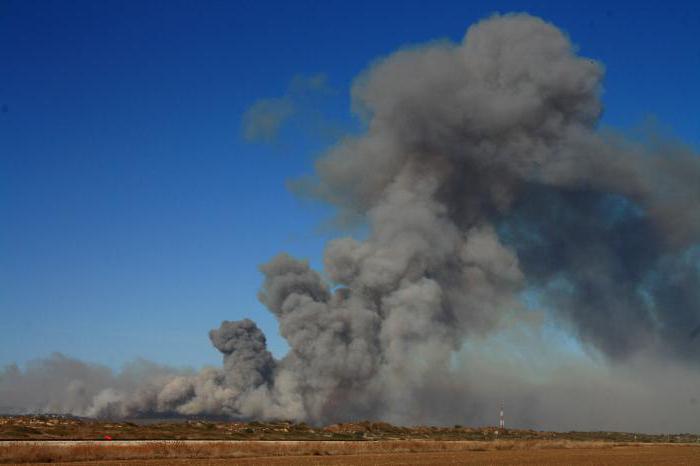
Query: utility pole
[{"x": 501, "y": 421}]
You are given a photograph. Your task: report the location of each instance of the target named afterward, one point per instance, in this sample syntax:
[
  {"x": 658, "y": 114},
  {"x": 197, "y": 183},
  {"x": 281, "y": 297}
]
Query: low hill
[{"x": 53, "y": 427}]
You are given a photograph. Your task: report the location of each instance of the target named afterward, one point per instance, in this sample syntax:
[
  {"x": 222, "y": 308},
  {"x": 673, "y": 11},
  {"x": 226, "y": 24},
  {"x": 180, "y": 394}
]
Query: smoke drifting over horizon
[{"x": 486, "y": 184}]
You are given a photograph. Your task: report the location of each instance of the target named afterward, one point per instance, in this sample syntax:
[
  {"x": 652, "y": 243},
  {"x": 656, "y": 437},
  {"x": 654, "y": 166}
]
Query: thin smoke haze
[{"x": 515, "y": 251}]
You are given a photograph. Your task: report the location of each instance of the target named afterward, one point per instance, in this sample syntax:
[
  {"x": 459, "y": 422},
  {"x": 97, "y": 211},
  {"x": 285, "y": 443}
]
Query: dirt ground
[{"x": 623, "y": 455}]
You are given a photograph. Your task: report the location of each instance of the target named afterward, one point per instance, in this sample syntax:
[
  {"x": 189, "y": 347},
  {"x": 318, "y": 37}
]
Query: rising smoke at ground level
[{"x": 485, "y": 184}]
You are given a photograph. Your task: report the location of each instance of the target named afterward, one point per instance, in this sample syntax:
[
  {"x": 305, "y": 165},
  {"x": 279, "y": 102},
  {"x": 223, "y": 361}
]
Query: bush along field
[{"x": 52, "y": 427}]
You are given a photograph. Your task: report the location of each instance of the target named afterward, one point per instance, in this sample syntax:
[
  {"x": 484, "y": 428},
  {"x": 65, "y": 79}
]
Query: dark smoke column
[
  {"x": 247, "y": 363},
  {"x": 481, "y": 174}
]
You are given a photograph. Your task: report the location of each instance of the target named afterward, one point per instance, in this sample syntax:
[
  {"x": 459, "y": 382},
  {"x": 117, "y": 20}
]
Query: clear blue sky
[{"x": 133, "y": 213}]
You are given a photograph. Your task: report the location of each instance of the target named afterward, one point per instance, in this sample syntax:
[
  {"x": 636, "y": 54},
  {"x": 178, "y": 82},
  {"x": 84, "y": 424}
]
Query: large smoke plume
[{"x": 486, "y": 184}]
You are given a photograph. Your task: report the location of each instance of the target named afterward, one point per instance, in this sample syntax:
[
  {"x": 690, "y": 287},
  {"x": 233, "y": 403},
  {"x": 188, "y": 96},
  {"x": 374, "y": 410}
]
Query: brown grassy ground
[
  {"x": 355, "y": 453},
  {"x": 638, "y": 456}
]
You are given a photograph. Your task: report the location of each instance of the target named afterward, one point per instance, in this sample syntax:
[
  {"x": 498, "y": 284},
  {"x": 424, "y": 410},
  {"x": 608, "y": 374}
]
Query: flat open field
[
  {"x": 414, "y": 452},
  {"x": 68, "y": 440}
]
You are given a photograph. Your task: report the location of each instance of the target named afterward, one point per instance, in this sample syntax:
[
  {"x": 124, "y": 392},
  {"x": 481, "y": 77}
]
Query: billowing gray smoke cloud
[{"x": 483, "y": 179}]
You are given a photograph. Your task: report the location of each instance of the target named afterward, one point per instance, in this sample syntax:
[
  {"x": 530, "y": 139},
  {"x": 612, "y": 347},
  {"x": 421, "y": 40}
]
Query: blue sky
[{"x": 134, "y": 213}]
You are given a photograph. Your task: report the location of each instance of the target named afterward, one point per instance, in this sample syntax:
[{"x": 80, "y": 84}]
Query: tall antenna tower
[{"x": 501, "y": 421}]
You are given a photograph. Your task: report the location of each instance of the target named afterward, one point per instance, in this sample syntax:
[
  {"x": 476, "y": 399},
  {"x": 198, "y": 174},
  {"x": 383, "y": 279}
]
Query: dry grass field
[
  {"x": 352, "y": 453},
  {"x": 66, "y": 440}
]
